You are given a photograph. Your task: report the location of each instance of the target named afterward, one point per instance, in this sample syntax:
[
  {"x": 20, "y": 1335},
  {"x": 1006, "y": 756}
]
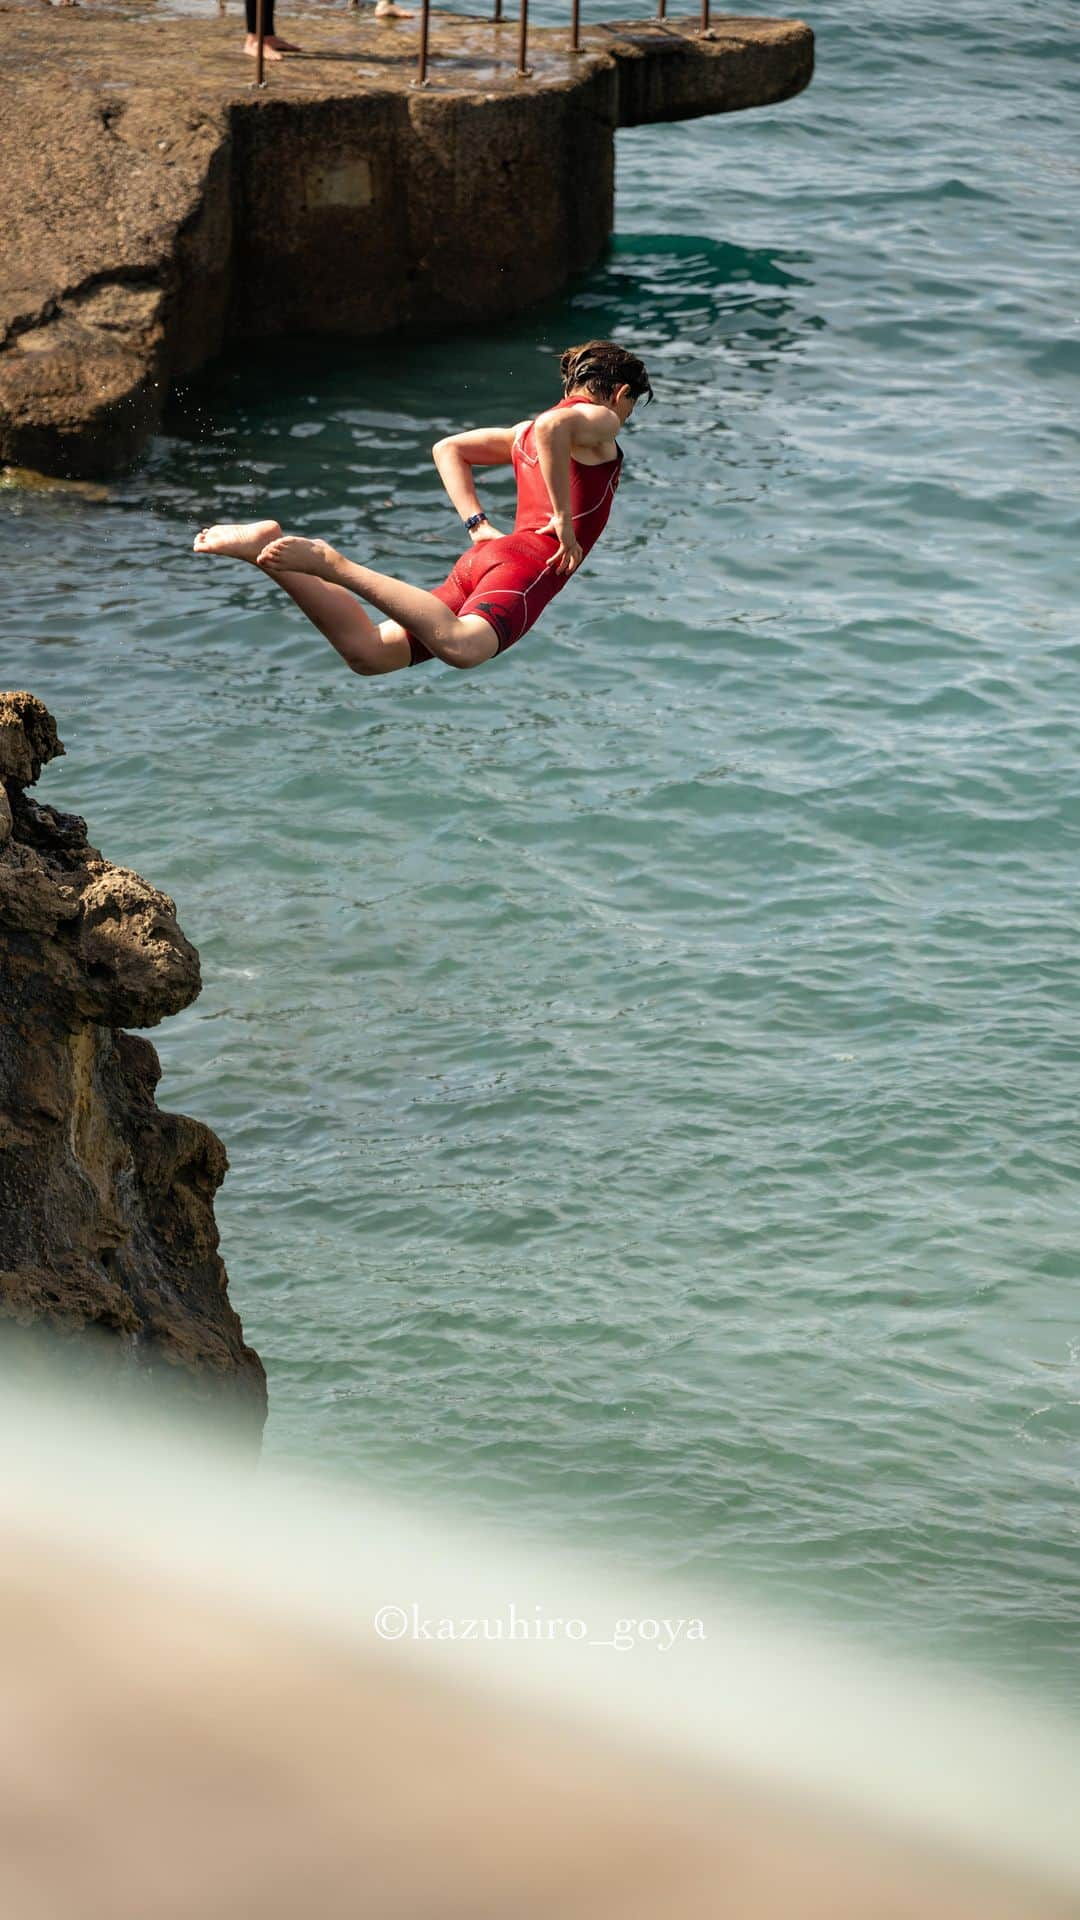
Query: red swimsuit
[{"x": 508, "y": 582}]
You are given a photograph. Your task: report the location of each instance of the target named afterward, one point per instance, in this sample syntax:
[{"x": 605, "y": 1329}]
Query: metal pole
[
  {"x": 704, "y": 16},
  {"x": 421, "y": 58},
  {"x": 498, "y": 10},
  {"x": 661, "y": 9},
  {"x": 523, "y": 40},
  {"x": 575, "y": 26},
  {"x": 260, "y": 35}
]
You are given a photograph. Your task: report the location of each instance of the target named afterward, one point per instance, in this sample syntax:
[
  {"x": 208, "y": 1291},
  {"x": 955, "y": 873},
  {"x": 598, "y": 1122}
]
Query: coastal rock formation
[
  {"x": 106, "y": 1203},
  {"x": 157, "y": 205}
]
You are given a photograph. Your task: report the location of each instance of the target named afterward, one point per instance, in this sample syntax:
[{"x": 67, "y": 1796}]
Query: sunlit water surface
[{"x": 649, "y": 1064}]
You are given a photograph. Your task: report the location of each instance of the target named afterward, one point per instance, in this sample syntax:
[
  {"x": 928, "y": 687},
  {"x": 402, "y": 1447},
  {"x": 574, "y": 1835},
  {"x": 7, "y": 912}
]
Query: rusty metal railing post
[
  {"x": 523, "y": 41},
  {"x": 661, "y": 9},
  {"x": 260, "y": 38},
  {"x": 704, "y": 16},
  {"x": 575, "y": 26},
  {"x": 421, "y": 79},
  {"x": 497, "y": 15}
]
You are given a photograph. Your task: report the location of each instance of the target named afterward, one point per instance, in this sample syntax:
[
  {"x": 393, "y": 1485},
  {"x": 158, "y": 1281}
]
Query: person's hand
[
  {"x": 568, "y": 555},
  {"x": 485, "y": 531}
]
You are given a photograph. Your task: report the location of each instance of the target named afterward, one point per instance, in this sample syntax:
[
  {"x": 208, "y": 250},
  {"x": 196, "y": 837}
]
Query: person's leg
[
  {"x": 460, "y": 642},
  {"x": 333, "y": 610},
  {"x": 339, "y": 617},
  {"x": 273, "y": 45}
]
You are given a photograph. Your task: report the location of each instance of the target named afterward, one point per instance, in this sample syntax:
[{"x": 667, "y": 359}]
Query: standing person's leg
[
  {"x": 273, "y": 45},
  {"x": 334, "y": 611}
]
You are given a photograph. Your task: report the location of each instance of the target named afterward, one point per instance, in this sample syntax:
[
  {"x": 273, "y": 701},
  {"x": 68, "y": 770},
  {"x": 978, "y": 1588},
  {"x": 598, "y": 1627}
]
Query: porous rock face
[{"x": 106, "y": 1203}]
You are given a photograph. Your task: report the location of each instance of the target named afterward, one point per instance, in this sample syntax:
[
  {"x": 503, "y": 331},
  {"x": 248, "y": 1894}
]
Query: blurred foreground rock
[
  {"x": 106, "y": 1204},
  {"x": 227, "y": 1695},
  {"x": 166, "y": 1753}
]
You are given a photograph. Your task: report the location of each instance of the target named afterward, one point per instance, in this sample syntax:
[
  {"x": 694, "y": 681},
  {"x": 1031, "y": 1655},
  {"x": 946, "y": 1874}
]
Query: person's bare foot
[
  {"x": 289, "y": 554},
  {"x": 389, "y": 10},
  {"x": 238, "y": 543},
  {"x": 251, "y": 48}
]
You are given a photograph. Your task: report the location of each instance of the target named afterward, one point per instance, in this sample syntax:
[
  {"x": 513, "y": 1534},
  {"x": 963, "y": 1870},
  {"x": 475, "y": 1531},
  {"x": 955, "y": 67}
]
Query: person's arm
[
  {"x": 559, "y": 434},
  {"x": 457, "y": 455}
]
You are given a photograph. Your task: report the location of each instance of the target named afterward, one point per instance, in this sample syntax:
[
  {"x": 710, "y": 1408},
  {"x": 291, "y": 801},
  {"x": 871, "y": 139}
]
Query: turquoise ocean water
[{"x": 649, "y": 1064}]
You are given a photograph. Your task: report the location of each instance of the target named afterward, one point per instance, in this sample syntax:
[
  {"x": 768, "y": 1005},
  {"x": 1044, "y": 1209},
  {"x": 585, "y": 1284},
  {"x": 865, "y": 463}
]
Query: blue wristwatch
[{"x": 474, "y": 520}]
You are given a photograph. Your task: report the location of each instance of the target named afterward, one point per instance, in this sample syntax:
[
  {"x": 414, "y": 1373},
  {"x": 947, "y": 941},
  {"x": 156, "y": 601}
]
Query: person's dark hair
[{"x": 600, "y": 366}]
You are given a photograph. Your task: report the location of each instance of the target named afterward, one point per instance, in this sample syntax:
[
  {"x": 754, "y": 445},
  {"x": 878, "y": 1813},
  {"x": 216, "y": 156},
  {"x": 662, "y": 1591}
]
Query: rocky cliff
[{"x": 106, "y": 1203}]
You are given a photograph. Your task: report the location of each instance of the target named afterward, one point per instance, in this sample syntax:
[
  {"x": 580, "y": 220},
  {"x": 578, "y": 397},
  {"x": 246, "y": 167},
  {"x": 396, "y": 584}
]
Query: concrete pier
[{"x": 159, "y": 205}]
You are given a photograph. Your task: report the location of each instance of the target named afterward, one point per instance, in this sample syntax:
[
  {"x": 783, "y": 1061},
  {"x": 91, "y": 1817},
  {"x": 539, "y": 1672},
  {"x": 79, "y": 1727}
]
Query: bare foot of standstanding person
[
  {"x": 389, "y": 10},
  {"x": 244, "y": 542},
  {"x": 273, "y": 46}
]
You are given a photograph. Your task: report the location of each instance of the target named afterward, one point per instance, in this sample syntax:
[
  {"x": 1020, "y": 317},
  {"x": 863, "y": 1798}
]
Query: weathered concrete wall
[
  {"x": 107, "y": 1230},
  {"x": 199, "y": 276},
  {"x": 159, "y": 205},
  {"x": 665, "y": 74},
  {"x": 404, "y": 211}
]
